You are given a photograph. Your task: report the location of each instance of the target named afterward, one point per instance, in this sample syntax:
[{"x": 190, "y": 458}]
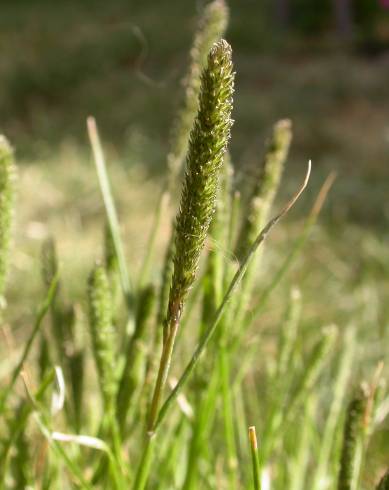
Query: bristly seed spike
[{"x": 207, "y": 145}]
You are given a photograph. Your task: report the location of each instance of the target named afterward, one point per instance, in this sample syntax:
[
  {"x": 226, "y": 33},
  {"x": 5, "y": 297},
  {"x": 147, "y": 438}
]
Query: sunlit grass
[{"x": 93, "y": 395}]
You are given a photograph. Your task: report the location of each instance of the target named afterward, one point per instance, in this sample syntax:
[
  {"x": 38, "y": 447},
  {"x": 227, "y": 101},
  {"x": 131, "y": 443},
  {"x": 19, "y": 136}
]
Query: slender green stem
[
  {"x": 173, "y": 455},
  {"x": 201, "y": 427},
  {"x": 303, "y": 447},
  {"x": 330, "y": 429},
  {"x": 163, "y": 370},
  {"x": 255, "y": 458},
  {"x": 145, "y": 464},
  {"x": 240, "y": 418},
  {"x": 229, "y": 426}
]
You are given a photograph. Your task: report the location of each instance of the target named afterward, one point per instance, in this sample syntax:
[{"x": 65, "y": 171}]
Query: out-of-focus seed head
[
  {"x": 266, "y": 184},
  {"x": 7, "y": 198},
  {"x": 102, "y": 332},
  {"x": 211, "y": 27}
]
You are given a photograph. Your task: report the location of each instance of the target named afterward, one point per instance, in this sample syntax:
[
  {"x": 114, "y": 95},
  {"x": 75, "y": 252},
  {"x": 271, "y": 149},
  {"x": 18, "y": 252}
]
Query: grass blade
[
  {"x": 298, "y": 245},
  {"x": 233, "y": 285},
  {"x": 330, "y": 429},
  {"x": 110, "y": 209}
]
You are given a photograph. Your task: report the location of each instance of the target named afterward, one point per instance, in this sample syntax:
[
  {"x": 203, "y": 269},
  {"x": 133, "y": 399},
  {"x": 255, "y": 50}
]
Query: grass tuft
[{"x": 198, "y": 345}]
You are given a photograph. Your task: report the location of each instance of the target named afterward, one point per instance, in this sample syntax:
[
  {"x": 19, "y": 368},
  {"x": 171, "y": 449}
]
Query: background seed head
[{"x": 7, "y": 197}]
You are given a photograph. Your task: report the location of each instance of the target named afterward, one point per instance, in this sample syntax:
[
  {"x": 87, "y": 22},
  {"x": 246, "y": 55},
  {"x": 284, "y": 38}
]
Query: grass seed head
[
  {"x": 207, "y": 146},
  {"x": 49, "y": 261},
  {"x": 352, "y": 434},
  {"x": 7, "y": 198},
  {"x": 102, "y": 332},
  {"x": 267, "y": 184}
]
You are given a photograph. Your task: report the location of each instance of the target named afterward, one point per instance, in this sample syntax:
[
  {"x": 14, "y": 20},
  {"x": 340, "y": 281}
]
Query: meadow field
[{"x": 299, "y": 349}]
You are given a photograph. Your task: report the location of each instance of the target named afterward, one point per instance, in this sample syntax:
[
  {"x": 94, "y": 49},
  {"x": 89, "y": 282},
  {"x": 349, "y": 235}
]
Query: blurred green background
[{"x": 122, "y": 61}]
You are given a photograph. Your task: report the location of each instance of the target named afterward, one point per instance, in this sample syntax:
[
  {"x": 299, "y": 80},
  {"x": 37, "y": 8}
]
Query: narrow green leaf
[{"x": 110, "y": 209}]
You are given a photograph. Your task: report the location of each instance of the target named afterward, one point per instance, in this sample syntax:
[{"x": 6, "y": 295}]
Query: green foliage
[{"x": 285, "y": 374}]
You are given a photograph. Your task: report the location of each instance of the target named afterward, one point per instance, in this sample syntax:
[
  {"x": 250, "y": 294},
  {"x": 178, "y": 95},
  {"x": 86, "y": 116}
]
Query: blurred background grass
[{"x": 122, "y": 61}]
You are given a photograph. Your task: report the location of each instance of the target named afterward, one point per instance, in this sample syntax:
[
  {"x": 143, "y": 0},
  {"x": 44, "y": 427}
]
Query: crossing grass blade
[{"x": 233, "y": 285}]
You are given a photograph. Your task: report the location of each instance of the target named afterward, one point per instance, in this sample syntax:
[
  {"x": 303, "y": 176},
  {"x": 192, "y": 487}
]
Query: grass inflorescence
[{"x": 7, "y": 193}]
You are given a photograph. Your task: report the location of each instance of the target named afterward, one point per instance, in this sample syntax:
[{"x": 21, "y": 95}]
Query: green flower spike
[
  {"x": 102, "y": 333},
  {"x": 353, "y": 436},
  {"x": 7, "y": 198},
  {"x": 207, "y": 146},
  {"x": 267, "y": 184}
]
